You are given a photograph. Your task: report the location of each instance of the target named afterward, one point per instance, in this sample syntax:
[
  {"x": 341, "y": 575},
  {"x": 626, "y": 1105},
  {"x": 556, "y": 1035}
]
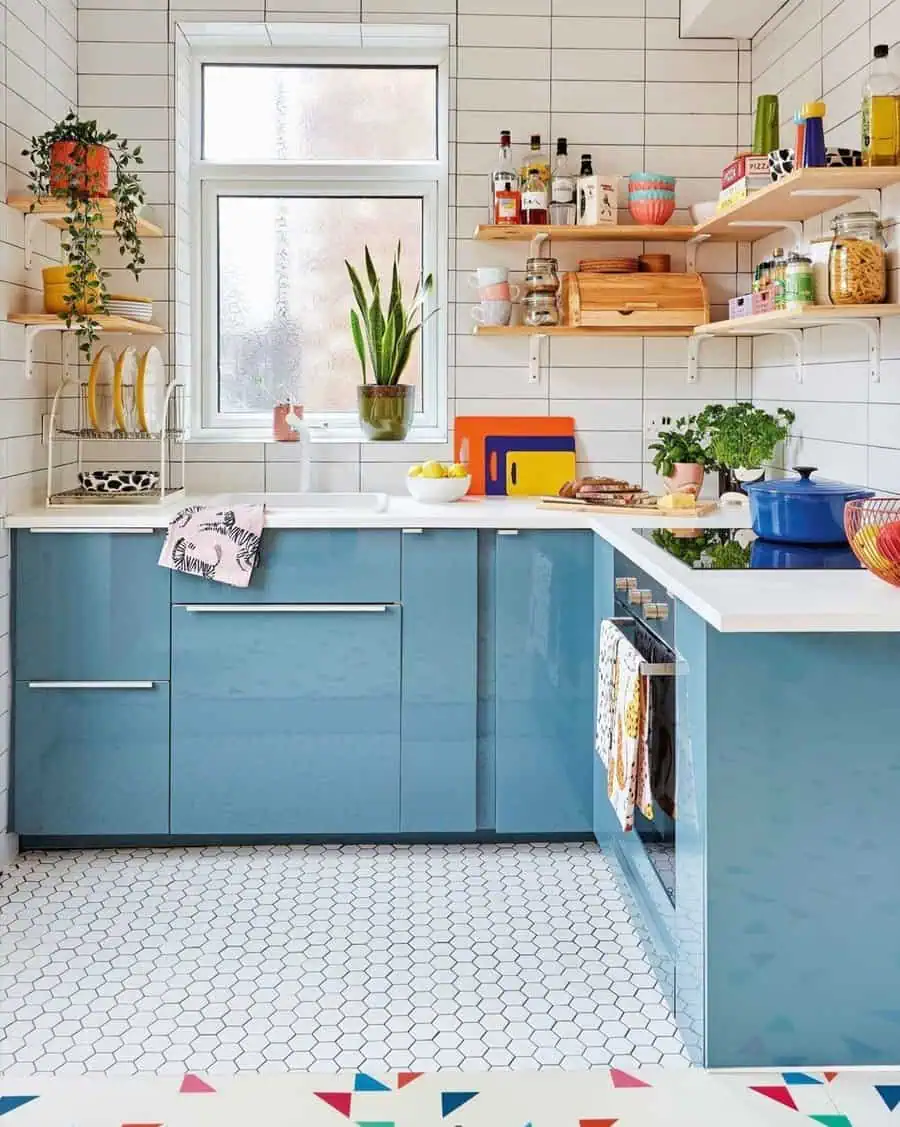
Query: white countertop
[{"x": 731, "y": 601}]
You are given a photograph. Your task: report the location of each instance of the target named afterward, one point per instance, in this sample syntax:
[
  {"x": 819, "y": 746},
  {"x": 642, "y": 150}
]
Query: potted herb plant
[
  {"x": 82, "y": 165},
  {"x": 681, "y": 457},
  {"x": 385, "y": 340},
  {"x": 741, "y": 439}
]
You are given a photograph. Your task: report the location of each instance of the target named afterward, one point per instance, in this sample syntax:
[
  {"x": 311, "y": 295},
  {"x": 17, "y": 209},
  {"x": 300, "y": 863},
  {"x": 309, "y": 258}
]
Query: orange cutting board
[{"x": 473, "y": 431}]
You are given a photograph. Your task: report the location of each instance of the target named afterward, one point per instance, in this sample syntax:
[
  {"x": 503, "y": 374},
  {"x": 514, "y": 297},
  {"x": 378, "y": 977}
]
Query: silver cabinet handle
[
  {"x": 412, "y": 531},
  {"x": 287, "y": 608},
  {"x": 104, "y": 531},
  {"x": 91, "y": 684},
  {"x": 507, "y": 532}
]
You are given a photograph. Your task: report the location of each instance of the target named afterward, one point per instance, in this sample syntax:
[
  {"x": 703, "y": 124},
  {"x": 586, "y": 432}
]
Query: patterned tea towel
[
  {"x": 217, "y": 544},
  {"x": 622, "y": 725}
]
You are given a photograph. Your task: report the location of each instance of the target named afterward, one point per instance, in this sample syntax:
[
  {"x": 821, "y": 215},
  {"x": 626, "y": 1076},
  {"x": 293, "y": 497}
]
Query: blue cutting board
[{"x": 498, "y": 449}]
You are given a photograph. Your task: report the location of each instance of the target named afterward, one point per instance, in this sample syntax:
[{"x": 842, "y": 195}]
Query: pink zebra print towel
[{"x": 218, "y": 544}]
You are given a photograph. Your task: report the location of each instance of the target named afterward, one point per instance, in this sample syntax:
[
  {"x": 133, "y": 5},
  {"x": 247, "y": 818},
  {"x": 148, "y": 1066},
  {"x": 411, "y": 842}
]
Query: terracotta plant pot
[
  {"x": 687, "y": 477},
  {"x": 87, "y": 166},
  {"x": 386, "y": 412},
  {"x": 282, "y": 431}
]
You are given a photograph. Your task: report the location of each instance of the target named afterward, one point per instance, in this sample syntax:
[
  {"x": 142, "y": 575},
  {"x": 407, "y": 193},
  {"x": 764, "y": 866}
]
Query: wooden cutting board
[{"x": 701, "y": 509}]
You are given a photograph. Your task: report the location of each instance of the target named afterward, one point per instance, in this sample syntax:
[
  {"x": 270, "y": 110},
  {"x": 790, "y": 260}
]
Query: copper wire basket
[{"x": 866, "y": 523}]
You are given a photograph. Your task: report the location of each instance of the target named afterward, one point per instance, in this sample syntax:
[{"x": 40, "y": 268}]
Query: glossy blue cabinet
[
  {"x": 440, "y": 639},
  {"x": 91, "y": 761},
  {"x": 544, "y": 682},
  {"x": 286, "y": 720},
  {"x": 90, "y": 606}
]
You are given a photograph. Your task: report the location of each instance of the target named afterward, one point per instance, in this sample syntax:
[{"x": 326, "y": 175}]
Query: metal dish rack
[{"x": 70, "y": 422}]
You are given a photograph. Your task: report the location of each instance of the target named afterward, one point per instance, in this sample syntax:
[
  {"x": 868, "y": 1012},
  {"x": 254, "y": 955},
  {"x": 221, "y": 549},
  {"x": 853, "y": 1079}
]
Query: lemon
[
  {"x": 414, "y": 471},
  {"x": 866, "y": 544},
  {"x": 433, "y": 469},
  {"x": 458, "y": 470}
]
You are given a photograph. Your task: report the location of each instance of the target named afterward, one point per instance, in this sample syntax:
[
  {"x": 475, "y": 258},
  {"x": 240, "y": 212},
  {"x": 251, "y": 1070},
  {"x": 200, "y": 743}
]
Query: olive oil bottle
[{"x": 881, "y": 112}]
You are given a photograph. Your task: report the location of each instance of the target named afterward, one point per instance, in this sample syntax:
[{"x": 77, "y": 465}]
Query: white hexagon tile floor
[{"x": 321, "y": 958}]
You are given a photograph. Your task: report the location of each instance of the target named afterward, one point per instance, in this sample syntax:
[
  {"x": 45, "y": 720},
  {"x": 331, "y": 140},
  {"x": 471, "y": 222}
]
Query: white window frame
[{"x": 210, "y": 180}]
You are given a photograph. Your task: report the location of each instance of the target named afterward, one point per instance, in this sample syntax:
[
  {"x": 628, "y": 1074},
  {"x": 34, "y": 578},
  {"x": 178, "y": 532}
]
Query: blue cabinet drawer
[
  {"x": 91, "y": 759},
  {"x": 285, "y": 720},
  {"x": 90, "y": 606},
  {"x": 343, "y": 565}
]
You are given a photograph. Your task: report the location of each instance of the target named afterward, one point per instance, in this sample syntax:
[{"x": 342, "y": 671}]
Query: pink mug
[{"x": 500, "y": 291}]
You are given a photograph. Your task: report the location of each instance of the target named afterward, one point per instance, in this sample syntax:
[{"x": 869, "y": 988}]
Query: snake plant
[{"x": 384, "y": 340}]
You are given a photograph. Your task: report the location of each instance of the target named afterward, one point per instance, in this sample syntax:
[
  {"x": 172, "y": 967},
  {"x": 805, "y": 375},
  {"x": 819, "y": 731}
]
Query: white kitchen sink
[{"x": 345, "y": 502}]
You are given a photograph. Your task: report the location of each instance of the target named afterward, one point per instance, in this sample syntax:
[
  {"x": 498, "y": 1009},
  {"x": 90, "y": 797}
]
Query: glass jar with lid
[
  {"x": 857, "y": 263},
  {"x": 542, "y": 275},
  {"x": 540, "y": 309}
]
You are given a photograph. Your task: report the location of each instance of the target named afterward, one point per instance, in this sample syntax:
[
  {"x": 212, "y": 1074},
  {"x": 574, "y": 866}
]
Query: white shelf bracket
[
  {"x": 792, "y": 225},
  {"x": 69, "y": 361},
  {"x": 537, "y": 243},
  {"x": 535, "y": 344},
  {"x": 796, "y": 337},
  {"x": 871, "y": 326},
  {"x": 693, "y": 357},
  {"x": 691, "y": 247},
  {"x": 31, "y": 222}
]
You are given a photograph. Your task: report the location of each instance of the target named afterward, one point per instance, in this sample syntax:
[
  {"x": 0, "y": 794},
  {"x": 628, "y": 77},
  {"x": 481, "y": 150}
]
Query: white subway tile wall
[
  {"x": 846, "y": 425},
  {"x": 616, "y": 81},
  {"x": 38, "y": 84}
]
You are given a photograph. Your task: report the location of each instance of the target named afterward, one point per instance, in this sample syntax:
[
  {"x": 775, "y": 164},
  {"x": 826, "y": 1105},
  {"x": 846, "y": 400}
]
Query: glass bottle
[
  {"x": 562, "y": 187},
  {"x": 777, "y": 275},
  {"x": 857, "y": 263},
  {"x": 880, "y": 119},
  {"x": 504, "y": 174},
  {"x": 536, "y": 159},
  {"x": 534, "y": 198}
]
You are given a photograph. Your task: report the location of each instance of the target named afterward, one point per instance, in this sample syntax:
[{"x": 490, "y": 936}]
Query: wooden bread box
[{"x": 644, "y": 300}]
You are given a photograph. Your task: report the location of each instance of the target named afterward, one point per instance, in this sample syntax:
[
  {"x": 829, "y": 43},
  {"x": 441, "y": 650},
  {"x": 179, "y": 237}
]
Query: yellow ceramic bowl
[{"x": 56, "y": 287}]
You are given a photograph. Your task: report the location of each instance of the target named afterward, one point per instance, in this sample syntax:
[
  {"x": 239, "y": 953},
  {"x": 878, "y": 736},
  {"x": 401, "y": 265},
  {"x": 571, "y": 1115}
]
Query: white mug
[
  {"x": 492, "y": 312},
  {"x": 488, "y": 276}
]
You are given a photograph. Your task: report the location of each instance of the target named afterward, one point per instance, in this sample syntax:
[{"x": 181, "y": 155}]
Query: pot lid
[{"x": 804, "y": 486}]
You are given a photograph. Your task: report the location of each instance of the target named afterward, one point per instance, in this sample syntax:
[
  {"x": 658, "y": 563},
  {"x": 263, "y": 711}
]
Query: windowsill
[{"x": 318, "y": 434}]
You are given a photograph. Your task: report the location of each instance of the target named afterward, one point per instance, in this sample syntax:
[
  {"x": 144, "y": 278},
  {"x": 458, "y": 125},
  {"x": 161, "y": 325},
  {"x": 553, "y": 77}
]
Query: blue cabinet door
[
  {"x": 91, "y": 606},
  {"x": 91, "y": 761},
  {"x": 440, "y": 659},
  {"x": 544, "y": 682},
  {"x": 286, "y": 720}
]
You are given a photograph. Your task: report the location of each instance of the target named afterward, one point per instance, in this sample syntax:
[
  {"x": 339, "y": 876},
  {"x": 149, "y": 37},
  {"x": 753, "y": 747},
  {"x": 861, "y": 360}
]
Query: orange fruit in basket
[{"x": 888, "y": 541}]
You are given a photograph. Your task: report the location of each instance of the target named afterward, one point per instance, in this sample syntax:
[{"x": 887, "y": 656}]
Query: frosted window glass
[
  {"x": 285, "y": 298},
  {"x": 267, "y": 113}
]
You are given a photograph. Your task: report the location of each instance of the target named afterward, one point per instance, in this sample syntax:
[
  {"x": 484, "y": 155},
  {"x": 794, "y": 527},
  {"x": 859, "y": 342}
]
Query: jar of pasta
[{"x": 857, "y": 264}]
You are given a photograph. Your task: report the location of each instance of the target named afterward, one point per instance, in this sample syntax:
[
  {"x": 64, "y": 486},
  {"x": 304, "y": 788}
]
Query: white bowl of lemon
[{"x": 434, "y": 483}]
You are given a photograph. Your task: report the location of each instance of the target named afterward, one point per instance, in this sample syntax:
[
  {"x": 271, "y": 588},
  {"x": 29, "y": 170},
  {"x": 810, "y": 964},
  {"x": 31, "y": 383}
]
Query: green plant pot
[{"x": 386, "y": 412}]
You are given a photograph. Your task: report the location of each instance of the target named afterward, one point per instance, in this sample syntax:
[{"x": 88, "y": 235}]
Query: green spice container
[
  {"x": 799, "y": 283},
  {"x": 778, "y": 272}
]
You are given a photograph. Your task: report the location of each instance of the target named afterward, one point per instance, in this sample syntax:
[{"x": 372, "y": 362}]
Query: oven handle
[{"x": 648, "y": 668}]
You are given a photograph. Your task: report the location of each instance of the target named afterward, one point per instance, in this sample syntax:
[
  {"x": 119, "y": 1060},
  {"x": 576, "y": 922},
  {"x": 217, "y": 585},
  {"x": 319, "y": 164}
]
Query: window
[{"x": 297, "y": 163}]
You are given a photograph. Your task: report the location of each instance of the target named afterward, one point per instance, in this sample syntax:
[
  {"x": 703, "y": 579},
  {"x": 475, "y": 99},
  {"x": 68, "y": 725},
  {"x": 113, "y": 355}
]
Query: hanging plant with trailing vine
[{"x": 71, "y": 171}]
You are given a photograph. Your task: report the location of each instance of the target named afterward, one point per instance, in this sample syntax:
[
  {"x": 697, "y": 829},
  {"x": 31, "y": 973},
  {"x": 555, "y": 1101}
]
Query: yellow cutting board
[{"x": 535, "y": 473}]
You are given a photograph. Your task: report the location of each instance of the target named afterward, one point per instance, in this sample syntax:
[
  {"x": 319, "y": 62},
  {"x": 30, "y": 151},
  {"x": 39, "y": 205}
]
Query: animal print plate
[{"x": 119, "y": 481}]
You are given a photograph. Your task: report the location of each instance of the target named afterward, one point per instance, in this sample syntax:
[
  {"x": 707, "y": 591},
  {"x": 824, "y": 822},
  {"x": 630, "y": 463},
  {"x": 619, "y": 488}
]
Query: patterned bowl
[
  {"x": 781, "y": 163},
  {"x": 873, "y": 530},
  {"x": 658, "y": 179},
  {"x": 118, "y": 481},
  {"x": 654, "y": 213}
]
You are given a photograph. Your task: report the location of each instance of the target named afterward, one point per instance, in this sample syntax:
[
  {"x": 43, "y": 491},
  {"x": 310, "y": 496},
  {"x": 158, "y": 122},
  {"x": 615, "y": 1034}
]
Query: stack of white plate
[{"x": 132, "y": 308}]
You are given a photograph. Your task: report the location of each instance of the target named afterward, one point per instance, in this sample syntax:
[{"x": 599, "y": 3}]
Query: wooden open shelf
[
  {"x": 107, "y": 324},
  {"x": 785, "y": 200},
  {"x": 577, "y": 331},
  {"x": 54, "y": 211},
  {"x": 522, "y": 233},
  {"x": 814, "y": 317}
]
